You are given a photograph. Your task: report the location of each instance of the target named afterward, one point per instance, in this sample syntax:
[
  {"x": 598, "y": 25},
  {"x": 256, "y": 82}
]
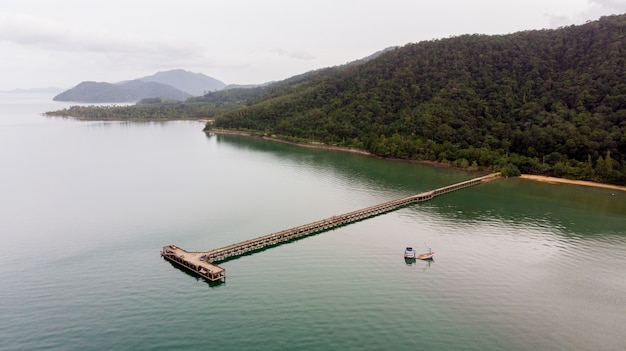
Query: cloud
[
  {"x": 600, "y": 7},
  {"x": 26, "y": 30},
  {"x": 616, "y": 5},
  {"x": 593, "y": 10},
  {"x": 296, "y": 54}
]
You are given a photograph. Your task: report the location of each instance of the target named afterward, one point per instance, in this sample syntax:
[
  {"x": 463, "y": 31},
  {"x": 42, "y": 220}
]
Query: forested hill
[{"x": 547, "y": 102}]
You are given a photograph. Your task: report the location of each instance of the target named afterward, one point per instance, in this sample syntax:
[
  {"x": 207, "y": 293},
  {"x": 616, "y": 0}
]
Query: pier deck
[
  {"x": 202, "y": 263},
  {"x": 193, "y": 261}
]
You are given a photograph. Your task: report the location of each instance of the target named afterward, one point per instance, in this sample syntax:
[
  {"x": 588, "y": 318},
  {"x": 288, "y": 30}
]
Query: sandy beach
[{"x": 570, "y": 181}]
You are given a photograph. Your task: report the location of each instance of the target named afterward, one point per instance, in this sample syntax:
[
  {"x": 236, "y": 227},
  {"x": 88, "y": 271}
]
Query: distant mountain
[
  {"x": 176, "y": 84},
  {"x": 129, "y": 91},
  {"x": 196, "y": 84}
]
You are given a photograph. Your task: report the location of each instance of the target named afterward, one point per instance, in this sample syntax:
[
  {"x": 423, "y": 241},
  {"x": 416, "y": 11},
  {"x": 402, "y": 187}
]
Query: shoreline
[
  {"x": 309, "y": 145},
  {"x": 537, "y": 178},
  {"x": 555, "y": 180},
  {"x": 342, "y": 149}
]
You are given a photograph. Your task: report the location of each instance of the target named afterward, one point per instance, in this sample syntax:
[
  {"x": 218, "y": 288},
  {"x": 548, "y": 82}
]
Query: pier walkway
[{"x": 202, "y": 263}]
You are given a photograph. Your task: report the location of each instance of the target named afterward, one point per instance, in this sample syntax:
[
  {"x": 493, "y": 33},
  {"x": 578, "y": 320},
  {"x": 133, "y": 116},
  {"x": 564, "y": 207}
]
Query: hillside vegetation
[{"x": 549, "y": 102}]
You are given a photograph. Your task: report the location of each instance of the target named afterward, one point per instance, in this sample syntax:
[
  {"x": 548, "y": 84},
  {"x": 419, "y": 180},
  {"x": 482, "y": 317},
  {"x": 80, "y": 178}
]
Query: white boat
[{"x": 409, "y": 252}]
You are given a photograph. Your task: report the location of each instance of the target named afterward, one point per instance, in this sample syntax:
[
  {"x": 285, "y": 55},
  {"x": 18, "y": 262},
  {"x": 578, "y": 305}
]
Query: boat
[
  {"x": 409, "y": 252},
  {"x": 426, "y": 256}
]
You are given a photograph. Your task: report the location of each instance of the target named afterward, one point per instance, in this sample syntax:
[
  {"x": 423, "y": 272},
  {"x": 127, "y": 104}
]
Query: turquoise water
[{"x": 86, "y": 206}]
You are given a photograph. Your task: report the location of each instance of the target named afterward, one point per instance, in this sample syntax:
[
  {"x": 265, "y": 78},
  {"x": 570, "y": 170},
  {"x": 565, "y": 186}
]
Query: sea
[{"x": 86, "y": 206}]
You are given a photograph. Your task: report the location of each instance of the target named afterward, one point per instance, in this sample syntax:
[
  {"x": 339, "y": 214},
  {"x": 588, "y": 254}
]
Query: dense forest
[{"x": 549, "y": 102}]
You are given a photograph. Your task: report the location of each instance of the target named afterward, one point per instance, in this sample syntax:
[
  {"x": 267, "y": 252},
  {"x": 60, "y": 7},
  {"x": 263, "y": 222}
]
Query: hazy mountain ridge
[
  {"x": 195, "y": 84},
  {"x": 135, "y": 90},
  {"x": 172, "y": 85}
]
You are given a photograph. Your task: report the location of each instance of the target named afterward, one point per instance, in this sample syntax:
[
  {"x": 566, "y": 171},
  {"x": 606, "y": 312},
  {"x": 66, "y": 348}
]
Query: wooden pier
[
  {"x": 202, "y": 263},
  {"x": 194, "y": 262}
]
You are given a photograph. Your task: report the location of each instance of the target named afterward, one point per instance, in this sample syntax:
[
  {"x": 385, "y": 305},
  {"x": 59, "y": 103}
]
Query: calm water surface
[{"x": 86, "y": 206}]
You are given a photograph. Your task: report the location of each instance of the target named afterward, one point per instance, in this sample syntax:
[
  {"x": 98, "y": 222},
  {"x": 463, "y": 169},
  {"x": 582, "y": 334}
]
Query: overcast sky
[{"x": 61, "y": 43}]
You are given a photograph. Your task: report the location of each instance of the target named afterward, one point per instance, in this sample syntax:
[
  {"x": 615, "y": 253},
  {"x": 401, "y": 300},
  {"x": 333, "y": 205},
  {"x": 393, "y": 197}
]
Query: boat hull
[
  {"x": 409, "y": 253},
  {"x": 426, "y": 256}
]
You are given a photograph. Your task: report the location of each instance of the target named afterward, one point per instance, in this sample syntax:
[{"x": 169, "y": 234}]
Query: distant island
[{"x": 169, "y": 85}]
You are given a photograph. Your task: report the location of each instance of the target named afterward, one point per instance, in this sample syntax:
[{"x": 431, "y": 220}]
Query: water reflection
[
  {"x": 427, "y": 263},
  {"x": 424, "y": 264},
  {"x": 403, "y": 179},
  {"x": 564, "y": 209},
  {"x": 210, "y": 283}
]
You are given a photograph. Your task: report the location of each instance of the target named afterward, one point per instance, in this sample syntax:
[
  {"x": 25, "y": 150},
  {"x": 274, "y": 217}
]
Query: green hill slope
[{"x": 547, "y": 102}]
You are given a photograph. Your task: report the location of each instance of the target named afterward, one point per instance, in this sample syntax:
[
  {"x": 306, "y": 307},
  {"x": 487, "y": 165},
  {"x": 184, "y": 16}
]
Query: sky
[{"x": 61, "y": 43}]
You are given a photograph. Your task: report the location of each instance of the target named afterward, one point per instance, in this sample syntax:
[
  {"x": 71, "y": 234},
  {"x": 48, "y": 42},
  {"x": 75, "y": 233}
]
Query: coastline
[
  {"x": 538, "y": 178},
  {"x": 309, "y": 145},
  {"x": 341, "y": 148},
  {"x": 554, "y": 180}
]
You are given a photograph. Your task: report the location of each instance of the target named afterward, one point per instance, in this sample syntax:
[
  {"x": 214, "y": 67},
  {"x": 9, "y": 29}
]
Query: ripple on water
[{"x": 518, "y": 265}]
